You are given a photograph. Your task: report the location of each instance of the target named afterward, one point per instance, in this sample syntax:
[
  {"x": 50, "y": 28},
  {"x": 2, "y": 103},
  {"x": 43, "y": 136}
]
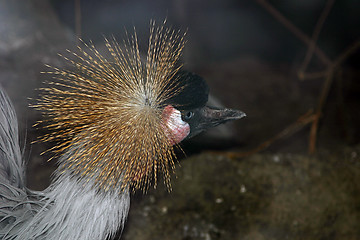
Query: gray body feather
[
  {"x": 11, "y": 167},
  {"x": 70, "y": 208}
]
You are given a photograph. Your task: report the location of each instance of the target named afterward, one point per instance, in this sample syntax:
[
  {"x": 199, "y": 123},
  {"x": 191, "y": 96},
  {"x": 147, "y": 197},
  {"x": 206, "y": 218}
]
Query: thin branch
[
  {"x": 346, "y": 53},
  {"x": 323, "y": 96},
  {"x": 295, "y": 30},
  {"x": 331, "y": 66},
  {"x": 315, "y": 35},
  {"x": 325, "y": 92},
  {"x": 338, "y": 61}
]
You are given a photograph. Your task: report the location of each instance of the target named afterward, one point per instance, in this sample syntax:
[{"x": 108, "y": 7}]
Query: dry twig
[
  {"x": 295, "y": 30},
  {"x": 328, "y": 73},
  {"x": 315, "y": 37}
]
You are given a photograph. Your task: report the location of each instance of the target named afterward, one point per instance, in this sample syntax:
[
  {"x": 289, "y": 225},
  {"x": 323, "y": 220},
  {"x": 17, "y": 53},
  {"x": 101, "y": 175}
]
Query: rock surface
[{"x": 264, "y": 196}]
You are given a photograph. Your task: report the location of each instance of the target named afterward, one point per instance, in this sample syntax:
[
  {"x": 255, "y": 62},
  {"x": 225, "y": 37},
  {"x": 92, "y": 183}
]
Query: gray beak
[
  {"x": 208, "y": 117},
  {"x": 212, "y": 117}
]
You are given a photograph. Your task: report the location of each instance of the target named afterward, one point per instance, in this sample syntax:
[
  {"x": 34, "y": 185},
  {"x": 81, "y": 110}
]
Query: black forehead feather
[{"x": 194, "y": 92}]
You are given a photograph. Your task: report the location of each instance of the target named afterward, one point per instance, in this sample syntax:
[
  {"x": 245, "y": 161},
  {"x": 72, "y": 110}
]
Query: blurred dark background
[
  {"x": 249, "y": 59},
  {"x": 220, "y": 30}
]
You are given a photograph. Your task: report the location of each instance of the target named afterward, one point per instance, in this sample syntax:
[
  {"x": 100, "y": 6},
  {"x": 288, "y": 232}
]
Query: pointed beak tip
[
  {"x": 242, "y": 114},
  {"x": 237, "y": 114}
]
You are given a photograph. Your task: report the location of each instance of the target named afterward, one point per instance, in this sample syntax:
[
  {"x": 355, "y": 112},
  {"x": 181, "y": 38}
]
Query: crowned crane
[{"x": 116, "y": 121}]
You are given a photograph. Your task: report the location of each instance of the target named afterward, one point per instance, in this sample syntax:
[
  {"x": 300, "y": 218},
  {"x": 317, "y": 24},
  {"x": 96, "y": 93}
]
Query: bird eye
[{"x": 188, "y": 115}]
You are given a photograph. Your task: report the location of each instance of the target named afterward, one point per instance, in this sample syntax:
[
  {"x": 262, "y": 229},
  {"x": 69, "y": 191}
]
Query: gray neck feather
[{"x": 70, "y": 209}]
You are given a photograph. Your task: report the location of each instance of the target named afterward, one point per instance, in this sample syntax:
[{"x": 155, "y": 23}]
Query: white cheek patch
[{"x": 176, "y": 129}]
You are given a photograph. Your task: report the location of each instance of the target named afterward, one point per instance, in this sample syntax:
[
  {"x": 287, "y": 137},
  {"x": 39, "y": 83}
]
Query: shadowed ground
[{"x": 265, "y": 196}]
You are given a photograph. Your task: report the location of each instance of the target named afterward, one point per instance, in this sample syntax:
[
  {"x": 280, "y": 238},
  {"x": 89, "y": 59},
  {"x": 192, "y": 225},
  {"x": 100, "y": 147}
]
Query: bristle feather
[{"x": 107, "y": 112}]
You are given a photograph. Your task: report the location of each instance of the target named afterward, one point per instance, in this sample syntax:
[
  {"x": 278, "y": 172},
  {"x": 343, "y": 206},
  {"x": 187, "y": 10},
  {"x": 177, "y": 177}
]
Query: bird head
[
  {"x": 117, "y": 120},
  {"x": 192, "y": 115}
]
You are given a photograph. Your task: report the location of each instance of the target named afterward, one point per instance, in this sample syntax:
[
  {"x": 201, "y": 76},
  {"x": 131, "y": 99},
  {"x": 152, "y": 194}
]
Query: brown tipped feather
[{"x": 106, "y": 113}]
